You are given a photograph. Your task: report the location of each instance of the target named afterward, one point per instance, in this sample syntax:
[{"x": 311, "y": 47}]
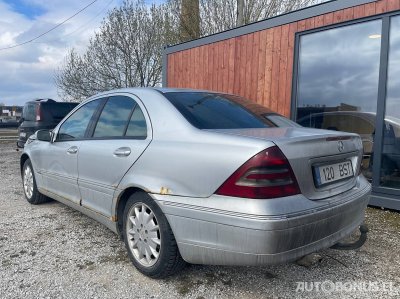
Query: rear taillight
[
  {"x": 266, "y": 175},
  {"x": 38, "y": 113}
]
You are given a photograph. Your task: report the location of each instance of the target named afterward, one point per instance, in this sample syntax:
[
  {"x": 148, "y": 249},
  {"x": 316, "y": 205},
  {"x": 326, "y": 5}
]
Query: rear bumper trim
[
  {"x": 201, "y": 254},
  {"x": 210, "y": 236}
]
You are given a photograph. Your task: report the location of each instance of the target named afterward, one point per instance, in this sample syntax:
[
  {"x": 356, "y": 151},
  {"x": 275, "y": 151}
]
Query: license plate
[
  {"x": 330, "y": 173},
  {"x": 22, "y": 134}
]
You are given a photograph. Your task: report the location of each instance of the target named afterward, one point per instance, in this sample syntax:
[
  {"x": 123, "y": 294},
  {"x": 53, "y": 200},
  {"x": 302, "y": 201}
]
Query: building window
[{"x": 338, "y": 77}]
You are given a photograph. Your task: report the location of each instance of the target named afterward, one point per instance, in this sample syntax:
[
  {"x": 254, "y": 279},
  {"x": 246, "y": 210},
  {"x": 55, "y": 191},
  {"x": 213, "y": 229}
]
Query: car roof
[
  {"x": 168, "y": 90},
  {"x": 41, "y": 101},
  {"x": 157, "y": 89},
  {"x": 164, "y": 90}
]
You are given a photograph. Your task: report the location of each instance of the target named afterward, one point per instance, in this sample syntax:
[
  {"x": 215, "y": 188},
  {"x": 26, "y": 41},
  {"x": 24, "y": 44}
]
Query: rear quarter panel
[{"x": 193, "y": 165}]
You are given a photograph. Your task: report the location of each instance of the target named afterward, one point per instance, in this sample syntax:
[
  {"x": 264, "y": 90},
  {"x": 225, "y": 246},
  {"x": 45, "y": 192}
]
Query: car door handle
[
  {"x": 122, "y": 152},
  {"x": 72, "y": 150}
]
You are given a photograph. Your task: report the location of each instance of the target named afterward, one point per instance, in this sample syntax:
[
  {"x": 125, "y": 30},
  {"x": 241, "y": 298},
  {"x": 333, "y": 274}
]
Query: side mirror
[{"x": 43, "y": 135}]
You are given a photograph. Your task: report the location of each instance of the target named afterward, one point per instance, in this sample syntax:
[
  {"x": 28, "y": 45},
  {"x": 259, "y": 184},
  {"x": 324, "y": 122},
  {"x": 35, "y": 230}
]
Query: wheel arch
[
  {"x": 22, "y": 160},
  {"x": 121, "y": 203},
  {"x": 171, "y": 260}
]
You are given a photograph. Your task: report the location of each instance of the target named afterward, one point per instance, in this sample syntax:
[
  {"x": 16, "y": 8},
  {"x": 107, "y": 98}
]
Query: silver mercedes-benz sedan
[{"x": 201, "y": 177}]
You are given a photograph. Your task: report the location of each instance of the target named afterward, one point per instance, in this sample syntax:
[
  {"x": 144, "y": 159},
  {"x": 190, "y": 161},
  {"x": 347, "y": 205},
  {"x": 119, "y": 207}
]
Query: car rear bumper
[
  {"x": 21, "y": 143},
  {"x": 234, "y": 231},
  {"x": 30, "y": 130}
]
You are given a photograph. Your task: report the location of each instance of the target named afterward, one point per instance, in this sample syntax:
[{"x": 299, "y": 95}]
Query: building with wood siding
[{"x": 334, "y": 66}]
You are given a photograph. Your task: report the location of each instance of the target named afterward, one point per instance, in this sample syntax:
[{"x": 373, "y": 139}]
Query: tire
[
  {"x": 31, "y": 192},
  {"x": 149, "y": 239}
]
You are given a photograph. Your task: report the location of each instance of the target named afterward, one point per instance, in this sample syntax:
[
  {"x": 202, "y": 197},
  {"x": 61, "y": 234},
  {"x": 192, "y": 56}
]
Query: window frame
[
  {"x": 296, "y": 58},
  {"x": 96, "y": 115},
  {"x": 385, "y": 18},
  {"x": 90, "y": 123}
]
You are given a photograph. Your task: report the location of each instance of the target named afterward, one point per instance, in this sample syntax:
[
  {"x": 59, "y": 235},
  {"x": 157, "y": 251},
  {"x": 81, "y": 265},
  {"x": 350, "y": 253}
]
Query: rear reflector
[{"x": 266, "y": 175}]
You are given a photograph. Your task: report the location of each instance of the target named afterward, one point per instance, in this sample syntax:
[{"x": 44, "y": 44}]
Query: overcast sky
[{"x": 27, "y": 72}]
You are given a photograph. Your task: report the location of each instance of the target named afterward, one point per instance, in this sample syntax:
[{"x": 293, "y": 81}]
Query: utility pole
[
  {"x": 190, "y": 20},
  {"x": 240, "y": 13}
]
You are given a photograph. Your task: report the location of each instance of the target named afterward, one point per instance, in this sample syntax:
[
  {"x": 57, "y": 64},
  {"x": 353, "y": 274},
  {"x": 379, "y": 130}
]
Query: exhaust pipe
[{"x": 354, "y": 245}]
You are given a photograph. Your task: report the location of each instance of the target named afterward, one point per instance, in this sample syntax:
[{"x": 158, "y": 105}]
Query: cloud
[{"x": 27, "y": 72}]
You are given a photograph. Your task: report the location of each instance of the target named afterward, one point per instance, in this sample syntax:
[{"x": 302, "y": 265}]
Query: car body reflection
[{"x": 363, "y": 123}]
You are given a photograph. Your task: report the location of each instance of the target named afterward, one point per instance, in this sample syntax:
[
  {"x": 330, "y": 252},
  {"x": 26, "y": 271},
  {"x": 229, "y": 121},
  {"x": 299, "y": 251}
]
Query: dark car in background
[{"x": 41, "y": 114}]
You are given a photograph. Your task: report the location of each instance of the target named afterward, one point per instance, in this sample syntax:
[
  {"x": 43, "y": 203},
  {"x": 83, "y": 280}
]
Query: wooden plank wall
[{"x": 258, "y": 66}]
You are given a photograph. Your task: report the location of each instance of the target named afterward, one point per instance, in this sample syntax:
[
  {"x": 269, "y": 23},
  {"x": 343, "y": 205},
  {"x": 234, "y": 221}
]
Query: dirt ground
[{"x": 52, "y": 251}]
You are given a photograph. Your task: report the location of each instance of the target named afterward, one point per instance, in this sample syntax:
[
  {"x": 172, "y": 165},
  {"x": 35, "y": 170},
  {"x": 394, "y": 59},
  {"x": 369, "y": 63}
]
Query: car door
[
  {"x": 60, "y": 165},
  {"x": 118, "y": 138}
]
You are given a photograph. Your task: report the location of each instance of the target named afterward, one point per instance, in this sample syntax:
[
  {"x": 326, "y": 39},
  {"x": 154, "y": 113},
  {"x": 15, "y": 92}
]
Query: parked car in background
[
  {"x": 41, "y": 114},
  {"x": 9, "y": 123},
  {"x": 198, "y": 176},
  {"x": 363, "y": 124}
]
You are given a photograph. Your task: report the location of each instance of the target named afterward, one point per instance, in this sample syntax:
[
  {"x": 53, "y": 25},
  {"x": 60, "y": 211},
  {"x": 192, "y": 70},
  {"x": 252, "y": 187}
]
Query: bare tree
[
  {"x": 217, "y": 16},
  {"x": 125, "y": 52},
  {"x": 127, "y": 49}
]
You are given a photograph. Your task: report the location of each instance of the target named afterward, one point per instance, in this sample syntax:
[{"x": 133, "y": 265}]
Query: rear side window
[
  {"x": 215, "y": 111},
  {"x": 114, "y": 118},
  {"x": 137, "y": 124},
  {"x": 29, "y": 112},
  {"x": 75, "y": 126}
]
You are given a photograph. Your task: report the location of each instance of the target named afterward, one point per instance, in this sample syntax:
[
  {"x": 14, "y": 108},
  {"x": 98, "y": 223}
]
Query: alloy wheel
[
  {"x": 143, "y": 234},
  {"x": 28, "y": 182}
]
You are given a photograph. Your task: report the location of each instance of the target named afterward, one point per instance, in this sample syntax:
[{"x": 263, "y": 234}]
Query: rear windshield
[
  {"x": 216, "y": 111},
  {"x": 58, "y": 110},
  {"x": 29, "y": 112},
  {"x": 51, "y": 111}
]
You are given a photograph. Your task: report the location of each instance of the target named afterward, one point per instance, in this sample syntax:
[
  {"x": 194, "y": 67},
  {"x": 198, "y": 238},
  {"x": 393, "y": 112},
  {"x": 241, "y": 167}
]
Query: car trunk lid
[{"x": 311, "y": 152}]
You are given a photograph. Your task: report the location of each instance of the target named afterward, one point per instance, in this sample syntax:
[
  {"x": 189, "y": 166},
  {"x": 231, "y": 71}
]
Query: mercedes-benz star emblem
[{"x": 340, "y": 146}]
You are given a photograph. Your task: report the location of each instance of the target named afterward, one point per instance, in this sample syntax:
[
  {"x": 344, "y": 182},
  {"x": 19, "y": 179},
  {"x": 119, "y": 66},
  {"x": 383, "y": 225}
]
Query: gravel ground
[
  {"x": 52, "y": 251},
  {"x": 8, "y": 134}
]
